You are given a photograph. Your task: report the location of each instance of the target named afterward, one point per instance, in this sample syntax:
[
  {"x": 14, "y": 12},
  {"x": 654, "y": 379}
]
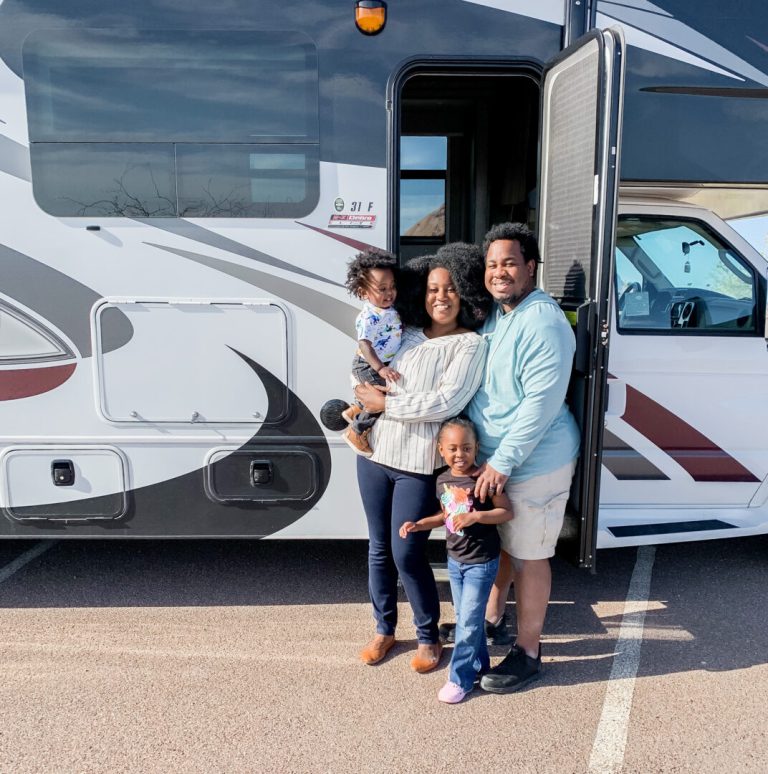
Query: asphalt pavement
[{"x": 230, "y": 656}]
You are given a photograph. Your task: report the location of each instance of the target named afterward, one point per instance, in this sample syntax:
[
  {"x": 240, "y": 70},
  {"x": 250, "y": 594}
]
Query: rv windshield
[{"x": 676, "y": 274}]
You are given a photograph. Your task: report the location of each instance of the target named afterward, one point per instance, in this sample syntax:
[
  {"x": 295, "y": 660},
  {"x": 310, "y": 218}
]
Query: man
[{"x": 528, "y": 439}]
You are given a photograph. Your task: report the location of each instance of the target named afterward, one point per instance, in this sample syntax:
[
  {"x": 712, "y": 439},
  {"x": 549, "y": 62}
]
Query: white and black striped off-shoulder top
[{"x": 439, "y": 376}]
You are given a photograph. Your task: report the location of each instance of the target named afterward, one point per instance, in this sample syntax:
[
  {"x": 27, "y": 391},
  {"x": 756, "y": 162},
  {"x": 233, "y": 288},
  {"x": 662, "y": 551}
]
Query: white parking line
[
  {"x": 25, "y": 558},
  {"x": 611, "y": 737}
]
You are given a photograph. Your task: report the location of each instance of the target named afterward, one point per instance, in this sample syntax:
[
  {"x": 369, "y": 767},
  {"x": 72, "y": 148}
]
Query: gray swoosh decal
[
  {"x": 199, "y": 234},
  {"x": 63, "y": 301},
  {"x": 336, "y": 313},
  {"x": 653, "y": 21},
  {"x": 14, "y": 159}
]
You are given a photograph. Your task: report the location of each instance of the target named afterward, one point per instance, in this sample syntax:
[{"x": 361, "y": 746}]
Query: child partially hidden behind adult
[{"x": 473, "y": 547}]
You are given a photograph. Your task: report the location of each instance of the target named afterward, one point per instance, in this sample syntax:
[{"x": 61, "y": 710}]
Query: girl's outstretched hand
[{"x": 408, "y": 526}]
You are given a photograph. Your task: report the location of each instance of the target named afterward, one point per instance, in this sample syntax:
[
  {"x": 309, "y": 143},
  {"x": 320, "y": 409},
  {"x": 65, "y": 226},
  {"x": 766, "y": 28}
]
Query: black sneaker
[
  {"x": 447, "y": 632},
  {"x": 497, "y": 634},
  {"x": 513, "y": 673}
]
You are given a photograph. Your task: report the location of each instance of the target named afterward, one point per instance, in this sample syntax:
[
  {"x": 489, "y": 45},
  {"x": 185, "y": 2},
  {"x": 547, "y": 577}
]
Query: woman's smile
[{"x": 442, "y": 300}]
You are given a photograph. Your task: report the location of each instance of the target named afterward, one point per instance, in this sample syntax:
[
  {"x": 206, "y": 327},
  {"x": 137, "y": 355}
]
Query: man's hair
[
  {"x": 518, "y": 232},
  {"x": 465, "y": 264},
  {"x": 359, "y": 269},
  {"x": 462, "y": 422}
]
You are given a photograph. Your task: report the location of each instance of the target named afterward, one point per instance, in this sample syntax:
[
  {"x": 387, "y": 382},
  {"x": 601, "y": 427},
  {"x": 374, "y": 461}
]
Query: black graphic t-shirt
[{"x": 477, "y": 543}]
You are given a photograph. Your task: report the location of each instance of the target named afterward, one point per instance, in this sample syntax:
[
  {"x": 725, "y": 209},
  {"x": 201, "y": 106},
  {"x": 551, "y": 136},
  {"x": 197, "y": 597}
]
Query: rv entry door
[{"x": 578, "y": 186}]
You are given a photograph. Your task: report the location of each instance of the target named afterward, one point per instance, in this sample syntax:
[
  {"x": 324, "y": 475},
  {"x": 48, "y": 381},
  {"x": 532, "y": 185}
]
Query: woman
[{"x": 441, "y": 300}]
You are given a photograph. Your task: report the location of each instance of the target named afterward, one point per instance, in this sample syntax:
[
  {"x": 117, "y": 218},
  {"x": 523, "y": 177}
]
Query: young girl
[{"x": 473, "y": 547}]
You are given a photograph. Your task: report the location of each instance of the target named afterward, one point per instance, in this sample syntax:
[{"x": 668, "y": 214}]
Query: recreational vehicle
[{"x": 182, "y": 185}]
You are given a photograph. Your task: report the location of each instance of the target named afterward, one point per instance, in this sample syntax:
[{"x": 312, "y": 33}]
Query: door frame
[{"x": 462, "y": 66}]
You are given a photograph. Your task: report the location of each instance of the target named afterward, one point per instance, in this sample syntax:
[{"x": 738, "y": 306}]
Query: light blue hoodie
[{"x": 524, "y": 427}]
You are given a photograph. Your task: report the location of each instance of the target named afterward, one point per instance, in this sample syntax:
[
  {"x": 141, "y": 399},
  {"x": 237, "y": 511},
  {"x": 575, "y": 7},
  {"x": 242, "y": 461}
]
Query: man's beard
[{"x": 515, "y": 297}]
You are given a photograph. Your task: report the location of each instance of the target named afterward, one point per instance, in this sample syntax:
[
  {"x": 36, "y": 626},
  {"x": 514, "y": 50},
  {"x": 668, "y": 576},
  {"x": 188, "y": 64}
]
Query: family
[{"x": 462, "y": 362}]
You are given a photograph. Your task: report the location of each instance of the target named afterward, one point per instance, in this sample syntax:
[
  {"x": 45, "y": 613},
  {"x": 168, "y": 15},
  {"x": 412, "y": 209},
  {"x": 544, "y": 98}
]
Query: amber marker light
[{"x": 370, "y": 16}]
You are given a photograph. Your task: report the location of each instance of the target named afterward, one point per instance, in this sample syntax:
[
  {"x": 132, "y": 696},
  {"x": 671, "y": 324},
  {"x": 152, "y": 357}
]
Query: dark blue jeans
[
  {"x": 470, "y": 588},
  {"x": 390, "y": 498}
]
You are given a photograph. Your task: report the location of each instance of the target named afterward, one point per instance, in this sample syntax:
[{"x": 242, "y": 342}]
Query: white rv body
[{"x": 164, "y": 366}]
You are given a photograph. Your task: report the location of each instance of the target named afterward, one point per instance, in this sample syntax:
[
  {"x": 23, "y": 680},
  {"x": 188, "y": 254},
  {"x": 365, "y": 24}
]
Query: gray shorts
[{"x": 538, "y": 505}]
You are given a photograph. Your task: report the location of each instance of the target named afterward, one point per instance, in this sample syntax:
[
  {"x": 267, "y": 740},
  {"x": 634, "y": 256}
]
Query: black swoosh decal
[{"x": 179, "y": 506}]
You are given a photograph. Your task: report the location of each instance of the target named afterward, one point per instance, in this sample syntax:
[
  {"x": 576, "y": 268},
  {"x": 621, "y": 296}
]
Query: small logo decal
[
  {"x": 338, "y": 204},
  {"x": 352, "y": 221}
]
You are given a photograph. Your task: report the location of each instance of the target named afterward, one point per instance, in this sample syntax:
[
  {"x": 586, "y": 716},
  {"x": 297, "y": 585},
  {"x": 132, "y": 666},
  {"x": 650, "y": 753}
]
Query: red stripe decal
[
  {"x": 26, "y": 382},
  {"x": 703, "y": 459},
  {"x": 361, "y": 246}
]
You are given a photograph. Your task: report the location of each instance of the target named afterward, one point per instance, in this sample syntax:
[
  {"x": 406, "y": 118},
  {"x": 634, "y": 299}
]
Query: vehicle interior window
[
  {"x": 468, "y": 145},
  {"x": 677, "y": 276},
  {"x": 423, "y": 168}
]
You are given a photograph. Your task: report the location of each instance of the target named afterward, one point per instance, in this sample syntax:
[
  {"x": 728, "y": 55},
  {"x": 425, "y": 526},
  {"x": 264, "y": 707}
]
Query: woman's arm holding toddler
[{"x": 369, "y": 353}]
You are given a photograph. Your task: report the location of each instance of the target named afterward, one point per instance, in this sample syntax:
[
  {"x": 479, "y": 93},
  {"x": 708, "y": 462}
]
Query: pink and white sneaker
[{"x": 451, "y": 693}]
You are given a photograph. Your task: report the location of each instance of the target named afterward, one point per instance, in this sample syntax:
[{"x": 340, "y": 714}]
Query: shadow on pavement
[
  {"x": 707, "y": 601},
  {"x": 706, "y": 611}
]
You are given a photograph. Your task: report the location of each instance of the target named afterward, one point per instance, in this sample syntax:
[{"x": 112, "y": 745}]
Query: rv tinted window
[
  {"x": 252, "y": 181},
  {"x": 109, "y": 180},
  {"x": 173, "y": 123},
  {"x": 170, "y": 86}
]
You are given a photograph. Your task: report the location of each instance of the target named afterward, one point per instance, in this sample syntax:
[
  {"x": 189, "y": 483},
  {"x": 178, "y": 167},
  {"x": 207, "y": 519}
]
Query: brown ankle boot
[
  {"x": 358, "y": 442},
  {"x": 377, "y": 648}
]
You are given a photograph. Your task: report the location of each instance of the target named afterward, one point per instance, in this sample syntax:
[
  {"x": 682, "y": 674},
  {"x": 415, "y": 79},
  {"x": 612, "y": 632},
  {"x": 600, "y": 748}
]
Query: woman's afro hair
[
  {"x": 465, "y": 264},
  {"x": 359, "y": 269}
]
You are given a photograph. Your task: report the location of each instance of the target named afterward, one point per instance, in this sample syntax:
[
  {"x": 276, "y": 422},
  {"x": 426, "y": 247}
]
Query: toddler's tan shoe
[
  {"x": 357, "y": 442},
  {"x": 377, "y": 648}
]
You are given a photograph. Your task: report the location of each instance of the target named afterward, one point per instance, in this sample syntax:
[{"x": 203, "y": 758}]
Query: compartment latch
[
  {"x": 63, "y": 472},
  {"x": 261, "y": 472}
]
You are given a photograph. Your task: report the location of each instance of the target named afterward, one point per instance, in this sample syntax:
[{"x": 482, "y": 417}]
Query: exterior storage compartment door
[
  {"x": 581, "y": 129},
  {"x": 267, "y": 474},
  {"x": 72, "y": 483},
  {"x": 190, "y": 361}
]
